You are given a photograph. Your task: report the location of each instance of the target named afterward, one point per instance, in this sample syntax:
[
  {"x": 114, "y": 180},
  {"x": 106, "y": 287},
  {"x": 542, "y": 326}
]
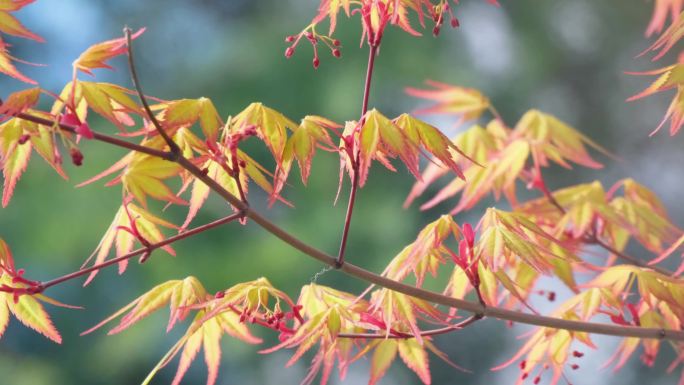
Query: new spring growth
[{"x": 314, "y": 39}]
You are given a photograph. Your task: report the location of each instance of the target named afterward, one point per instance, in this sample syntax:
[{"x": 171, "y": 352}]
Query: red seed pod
[
  {"x": 536, "y": 380},
  {"x": 574, "y": 366},
  {"x": 435, "y": 31},
  {"x": 524, "y": 376},
  {"x": 289, "y": 52},
  {"x": 24, "y": 138},
  {"x": 551, "y": 296},
  {"x": 336, "y": 52},
  {"x": 577, "y": 354},
  {"x": 523, "y": 363},
  {"x": 76, "y": 157}
]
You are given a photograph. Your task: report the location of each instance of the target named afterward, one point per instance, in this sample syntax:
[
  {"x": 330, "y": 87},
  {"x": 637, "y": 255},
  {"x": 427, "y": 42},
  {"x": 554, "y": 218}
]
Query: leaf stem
[
  {"x": 593, "y": 239},
  {"x": 372, "y": 53},
  {"x": 140, "y": 251},
  {"x": 173, "y": 147}
]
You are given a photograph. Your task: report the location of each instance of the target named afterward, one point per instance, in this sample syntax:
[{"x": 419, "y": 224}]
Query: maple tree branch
[
  {"x": 370, "y": 277},
  {"x": 173, "y": 147},
  {"x": 426, "y": 333},
  {"x": 143, "y": 250},
  {"x": 593, "y": 239},
  {"x": 98, "y": 136},
  {"x": 373, "y": 52}
]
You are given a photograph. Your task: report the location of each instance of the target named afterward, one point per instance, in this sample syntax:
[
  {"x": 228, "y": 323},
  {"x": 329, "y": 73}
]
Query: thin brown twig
[
  {"x": 173, "y": 147},
  {"x": 143, "y": 250},
  {"x": 593, "y": 239},
  {"x": 426, "y": 333}
]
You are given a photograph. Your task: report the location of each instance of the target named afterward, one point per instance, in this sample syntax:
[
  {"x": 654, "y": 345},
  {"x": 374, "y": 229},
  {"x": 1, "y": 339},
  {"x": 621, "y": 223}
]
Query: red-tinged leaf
[
  {"x": 433, "y": 141},
  {"x": 148, "y": 303},
  {"x": 14, "y": 5},
  {"x": 32, "y": 314},
  {"x": 212, "y": 349},
  {"x": 110, "y": 101},
  {"x": 96, "y": 56},
  {"x": 4, "y": 317},
  {"x": 312, "y": 132},
  {"x": 383, "y": 356},
  {"x": 271, "y": 126},
  {"x": 6, "y": 259},
  {"x": 230, "y": 323},
  {"x": 8, "y": 68},
  {"x": 551, "y": 139},
  {"x": 147, "y": 225},
  {"x": 144, "y": 177},
  {"x": 20, "y": 101},
  {"x": 466, "y": 102},
  {"x": 192, "y": 346},
  {"x": 11, "y": 26},
  {"x": 185, "y": 112},
  {"x": 14, "y": 158},
  {"x": 662, "y": 9},
  {"x": 415, "y": 357}
]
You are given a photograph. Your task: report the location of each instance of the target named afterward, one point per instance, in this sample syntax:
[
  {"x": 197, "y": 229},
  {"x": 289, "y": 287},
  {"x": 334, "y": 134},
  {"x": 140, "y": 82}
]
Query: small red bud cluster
[
  {"x": 466, "y": 258},
  {"x": 438, "y": 17},
  {"x": 314, "y": 40},
  {"x": 550, "y": 295}
]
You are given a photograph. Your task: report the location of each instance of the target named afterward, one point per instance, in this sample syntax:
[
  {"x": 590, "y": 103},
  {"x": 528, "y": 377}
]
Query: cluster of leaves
[
  {"x": 671, "y": 76},
  {"x": 499, "y": 261}
]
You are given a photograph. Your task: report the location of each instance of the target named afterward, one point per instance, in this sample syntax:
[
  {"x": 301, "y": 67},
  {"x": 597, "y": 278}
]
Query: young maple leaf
[
  {"x": 110, "y": 101},
  {"x": 469, "y": 103},
  {"x": 271, "y": 127},
  {"x": 379, "y": 138},
  {"x": 506, "y": 237},
  {"x": 311, "y": 133},
  {"x": 144, "y": 175},
  {"x": 326, "y": 313},
  {"x": 96, "y": 56},
  {"x": 131, "y": 224},
  {"x": 662, "y": 9},
  {"x": 185, "y": 112},
  {"x": 25, "y": 307},
  {"x": 11, "y": 26},
  {"x": 670, "y": 77},
  {"x": 551, "y": 139},
  {"x": 19, "y": 102},
  {"x": 17, "y": 138},
  {"x": 426, "y": 253}
]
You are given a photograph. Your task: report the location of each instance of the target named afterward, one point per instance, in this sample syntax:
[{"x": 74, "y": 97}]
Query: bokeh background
[{"x": 564, "y": 57}]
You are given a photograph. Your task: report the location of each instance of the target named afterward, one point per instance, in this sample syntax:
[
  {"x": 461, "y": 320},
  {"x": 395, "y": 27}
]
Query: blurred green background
[{"x": 564, "y": 57}]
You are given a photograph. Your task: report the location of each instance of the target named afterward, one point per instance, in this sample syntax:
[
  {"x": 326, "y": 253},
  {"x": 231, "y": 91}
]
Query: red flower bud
[
  {"x": 435, "y": 31},
  {"x": 574, "y": 366},
  {"x": 455, "y": 23},
  {"x": 24, "y": 138},
  {"x": 316, "y": 62},
  {"x": 76, "y": 156},
  {"x": 336, "y": 52},
  {"x": 336, "y": 43},
  {"x": 577, "y": 354},
  {"x": 290, "y": 39},
  {"x": 289, "y": 52}
]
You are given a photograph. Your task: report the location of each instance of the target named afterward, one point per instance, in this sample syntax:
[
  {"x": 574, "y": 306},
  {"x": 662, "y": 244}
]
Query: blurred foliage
[{"x": 564, "y": 57}]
